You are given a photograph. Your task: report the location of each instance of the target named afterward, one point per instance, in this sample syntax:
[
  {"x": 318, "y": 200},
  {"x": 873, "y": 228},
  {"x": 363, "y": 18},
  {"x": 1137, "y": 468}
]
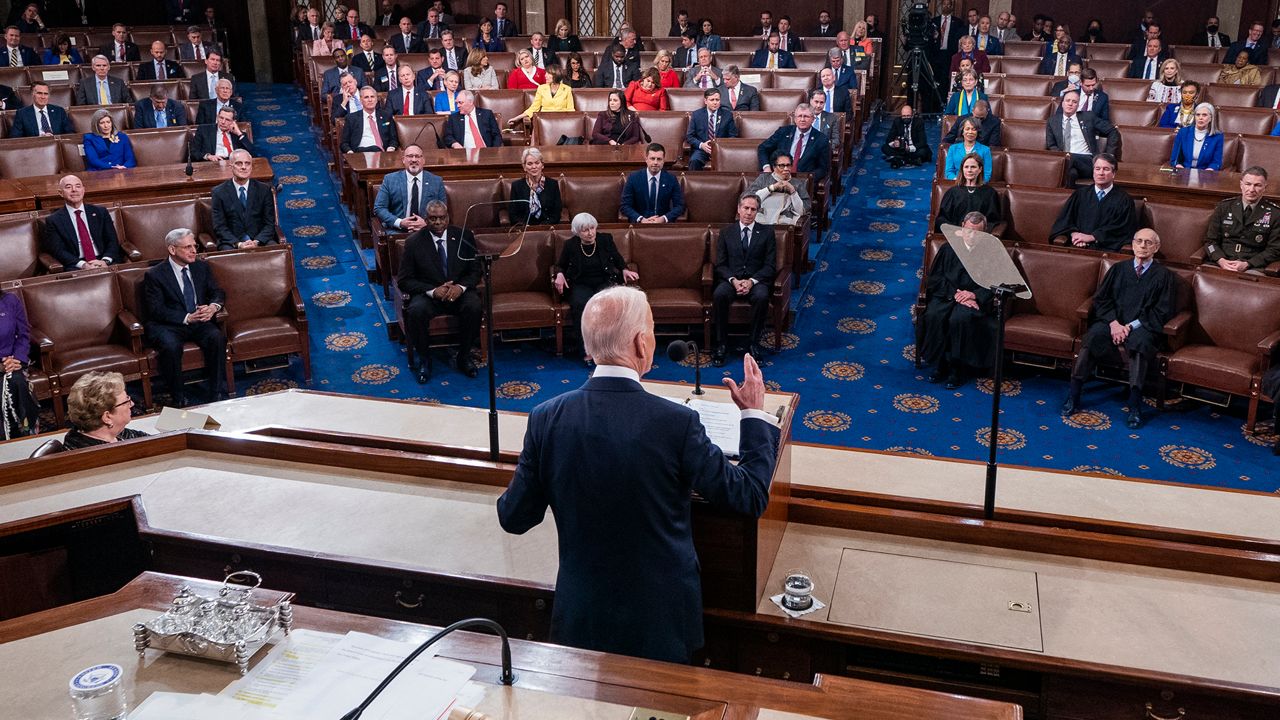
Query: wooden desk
[
  {"x": 15, "y": 197},
  {"x": 1200, "y": 188},
  {"x": 552, "y": 682},
  {"x": 142, "y": 183}
]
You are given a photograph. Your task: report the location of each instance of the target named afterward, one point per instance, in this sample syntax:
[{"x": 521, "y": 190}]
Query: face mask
[
  {"x": 1094, "y": 30},
  {"x": 1212, "y": 29},
  {"x": 1073, "y": 79}
]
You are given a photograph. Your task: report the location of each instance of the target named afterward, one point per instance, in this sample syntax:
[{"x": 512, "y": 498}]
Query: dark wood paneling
[{"x": 1178, "y": 19}]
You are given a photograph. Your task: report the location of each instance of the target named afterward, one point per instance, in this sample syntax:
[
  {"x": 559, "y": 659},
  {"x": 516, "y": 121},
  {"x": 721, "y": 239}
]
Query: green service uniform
[{"x": 1255, "y": 240}]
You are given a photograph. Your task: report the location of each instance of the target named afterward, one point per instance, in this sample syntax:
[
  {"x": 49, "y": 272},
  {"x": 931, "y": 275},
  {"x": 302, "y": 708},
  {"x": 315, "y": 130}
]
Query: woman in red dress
[
  {"x": 670, "y": 77},
  {"x": 647, "y": 93},
  {"x": 525, "y": 75}
]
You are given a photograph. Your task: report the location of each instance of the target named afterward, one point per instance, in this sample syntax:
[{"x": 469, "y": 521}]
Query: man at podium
[{"x": 616, "y": 466}]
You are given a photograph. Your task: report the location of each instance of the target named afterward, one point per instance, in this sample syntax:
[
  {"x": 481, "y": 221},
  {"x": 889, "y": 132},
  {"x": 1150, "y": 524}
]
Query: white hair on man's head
[
  {"x": 610, "y": 322},
  {"x": 176, "y": 236}
]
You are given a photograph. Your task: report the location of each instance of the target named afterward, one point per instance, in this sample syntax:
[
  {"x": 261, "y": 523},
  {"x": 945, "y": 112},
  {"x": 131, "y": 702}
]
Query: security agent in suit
[
  {"x": 736, "y": 95},
  {"x": 640, "y": 202},
  {"x": 62, "y": 229},
  {"x": 815, "y": 150},
  {"x": 40, "y": 117},
  {"x": 713, "y": 121},
  {"x": 244, "y": 212},
  {"x": 159, "y": 67},
  {"x": 617, "y": 467},
  {"x": 115, "y": 89},
  {"x": 398, "y": 206},
  {"x": 182, "y": 298},
  {"x": 14, "y": 47},
  {"x": 357, "y": 136},
  {"x": 1243, "y": 234},
  {"x": 158, "y": 110},
  {"x": 457, "y": 131},
  {"x": 746, "y": 253},
  {"x": 1079, "y": 137},
  {"x": 782, "y": 59},
  {"x": 439, "y": 275}
]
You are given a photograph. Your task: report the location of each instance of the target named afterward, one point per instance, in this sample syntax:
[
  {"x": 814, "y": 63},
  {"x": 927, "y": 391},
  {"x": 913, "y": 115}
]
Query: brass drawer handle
[
  {"x": 418, "y": 603},
  {"x": 1182, "y": 713}
]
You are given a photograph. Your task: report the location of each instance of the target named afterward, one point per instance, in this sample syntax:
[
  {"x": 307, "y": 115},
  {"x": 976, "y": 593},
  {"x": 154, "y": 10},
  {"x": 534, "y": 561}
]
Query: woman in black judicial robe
[
  {"x": 959, "y": 321},
  {"x": 970, "y": 194}
]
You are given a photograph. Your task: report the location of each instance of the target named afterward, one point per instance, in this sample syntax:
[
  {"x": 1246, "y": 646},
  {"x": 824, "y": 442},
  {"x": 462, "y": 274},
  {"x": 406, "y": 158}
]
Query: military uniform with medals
[{"x": 1254, "y": 238}]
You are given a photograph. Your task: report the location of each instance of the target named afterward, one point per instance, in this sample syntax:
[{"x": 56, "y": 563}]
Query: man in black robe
[
  {"x": 1130, "y": 309},
  {"x": 959, "y": 320},
  {"x": 1098, "y": 216}
]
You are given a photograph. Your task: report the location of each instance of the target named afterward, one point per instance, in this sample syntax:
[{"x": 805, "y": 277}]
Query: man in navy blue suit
[
  {"x": 158, "y": 110},
  {"x": 471, "y": 126},
  {"x": 40, "y": 117},
  {"x": 617, "y": 466},
  {"x": 15, "y": 51},
  {"x": 746, "y": 253},
  {"x": 652, "y": 195},
  {"x": 80, "y": 235},
  {"x": 836, "y": 98},
  {"x": 707, "y": 125},
  {"x": 417, "y": 99},
  {"x": 843, "y": 74},
  {"x": 370, "y": 130},
  {"x": 772, "y": 56},
  {"x": 811, "y": 150}
]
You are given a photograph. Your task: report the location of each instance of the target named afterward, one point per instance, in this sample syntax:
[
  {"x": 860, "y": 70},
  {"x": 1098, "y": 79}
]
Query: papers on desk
[
  {"x": 278, "y": 675},
  {"x": 721, "y": 421}
]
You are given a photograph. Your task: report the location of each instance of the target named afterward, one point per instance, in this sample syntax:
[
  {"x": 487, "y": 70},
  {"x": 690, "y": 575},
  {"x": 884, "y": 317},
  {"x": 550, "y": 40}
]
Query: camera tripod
[{"x": 917, "y": 70}]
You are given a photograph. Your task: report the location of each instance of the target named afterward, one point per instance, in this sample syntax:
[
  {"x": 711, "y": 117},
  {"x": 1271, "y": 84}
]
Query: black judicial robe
[
  {"x": 1112, "y": 222},
  {"x": 1125, "y": 297},
  {"x": 959, "y": 333},
  {"x": 958, "y": 202}
]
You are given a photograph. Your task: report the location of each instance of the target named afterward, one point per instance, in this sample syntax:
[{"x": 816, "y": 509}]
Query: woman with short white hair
[{"x": 589, "y": 263}]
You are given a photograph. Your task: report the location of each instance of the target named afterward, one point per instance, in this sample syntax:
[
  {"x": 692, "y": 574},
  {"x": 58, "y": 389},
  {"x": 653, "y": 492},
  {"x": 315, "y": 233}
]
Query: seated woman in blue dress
[
  {"x": 1199, "y": 145},
  {"x": 106, "y": 148},
  {"x": 968, "y": 144},
  {"x": 487, "y": 39},
  {"x": 446, "y": 101},
  {"x": 62, "y": 53}
]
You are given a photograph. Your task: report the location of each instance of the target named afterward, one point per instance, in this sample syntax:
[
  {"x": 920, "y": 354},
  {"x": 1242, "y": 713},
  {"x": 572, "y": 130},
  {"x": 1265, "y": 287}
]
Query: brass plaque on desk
[{"x": 968, "y": 602}]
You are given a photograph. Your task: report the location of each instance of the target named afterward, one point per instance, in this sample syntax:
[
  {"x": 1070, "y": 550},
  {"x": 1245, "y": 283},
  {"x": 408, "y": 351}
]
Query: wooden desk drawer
[{"x": 1083, "y": 699}]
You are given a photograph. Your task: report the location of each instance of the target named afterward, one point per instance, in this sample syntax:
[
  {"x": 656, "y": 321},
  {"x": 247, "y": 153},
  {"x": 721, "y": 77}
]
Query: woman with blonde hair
[
  {"x": 526, "y": 75},
  {"x": 670, "y": 77},
  {"x": 446, "y": 101},
  {"x": 99, "y": 410},
  {"x": 477, "y": 75},
  {"x": 563, "y": 40},
  {"x": 106, "y": 148},
  {"x": 1167, "y": 87},
  {"x": 327, "y": 43}
]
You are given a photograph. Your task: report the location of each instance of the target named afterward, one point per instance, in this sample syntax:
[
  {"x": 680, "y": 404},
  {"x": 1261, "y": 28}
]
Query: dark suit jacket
[
  {"x": 424, "y": 30},
  {"x": 63, "y": 242},
  {"x": 87, "y": 90},
  {"x": 489, "y": 130},
  {"x": 604, "y": 75},
  {"x": 628, "y": 580},
  {"x": 232, "y": 222},
  {"x": 336, "y": 107},
  {"x": 699, "y": 122},
  {"x": 1101, "y": 104},
  {"x": 840, "y": 99},
  {"x": 352, "y": 131},
  {"x": 343, "y": 32},
  {"x": 1049, "y": 62},
  {"x": 570, "y": 262},
  {"x": 25, "y": 123},
  {"x": 172, "y": 70},
  {"x": 957, "y": 29},
  {"x": 163, "y": 299},
  {"x": 794, "y": 43},
  {"x": 506, "y": 29},
  {"x": 144, "y": 113},
  {"x": 748, "y": 97},
  {"x": 918, "y": 138},
  {"x": 1267, "y": 98},
  {"x": 131, "y": 53},
  {"x": 206, "y": 139},
  {"x": 1201, "y": 38},
  {"x": 9, "y": 100},
  {"x": 1091, "y": 126},
  {"x": 549, "y": 198},
  {"x": 29, "y": 56},
  {"x": 815, "y": 158},
  {"x": 421, "y": 103},
  {"x": 760, "y": 261},
  {"x": 635, "y": 197},
  {"x": 207, "y": 114},
  {"x": 1139, "y": 64},
  {"x": 460, "y": 54},
  {"x": 833, "y": 29},
  {"x": 187, "y": 51},
  {"x": 331, "y": 80},
  {"x": 420, "y": 270},
  {"x": 1257, "y": 56},
  {"x": 416, "y": 45},
  {"x": 683, "y": 57},
  {"x": 988, "y": 131},
  {"x": 200, "y": 84},
  {"x": 359, "y": 60},
  {"x": 760, "y": 58}
]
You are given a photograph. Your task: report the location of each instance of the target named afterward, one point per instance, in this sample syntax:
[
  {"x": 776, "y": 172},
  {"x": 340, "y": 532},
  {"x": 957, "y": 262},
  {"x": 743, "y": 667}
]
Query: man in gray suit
[
  {"x": 827, "y": 122},
  {"x": 703, "y": 75},
  {"x": 404, "y": 195},
  {"x": 101, "y": 88},
  {"x": 736, "y": 95},
  {"x": 1077, "y": 133}
]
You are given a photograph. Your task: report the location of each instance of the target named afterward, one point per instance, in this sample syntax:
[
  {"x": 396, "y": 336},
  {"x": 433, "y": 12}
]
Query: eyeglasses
[
  {"x": 782, "y": 165},
  {"x": 126, "y": 401},
  {"x": 1145, "y": 241}
]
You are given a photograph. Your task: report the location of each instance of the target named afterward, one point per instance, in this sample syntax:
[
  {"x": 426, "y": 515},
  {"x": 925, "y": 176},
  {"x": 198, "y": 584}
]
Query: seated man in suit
[
  {"x": 1136, "y": 298},
  {"x": 1077, "y": 133},
  {"x": 217, "y": 142},
  {"x": 15, "y": 54},
  {"x": 352, "y": 29},
  {"x": 431, "y": 77},
  {"x": 407, "y": 40},
  {"x": 244, "y": 211},
  {"x": 347, "y": 99},
  {"x": 471, "y": 127},
  {"x": 1071, "y": 81},
  {"x": 706, "y": 125},
  {"x": 204, "y": 84},
  {"x": 746, "y": 254},
  {"x": 783, "y": 200},
  {"x": 629, "y": 40},
  {"x": 454, "y": 53},
  {"x": 772, "y": 57},
  {"x": 616, "y": 73},
  {"x": 1092, "y": 97},
  {"x": 811, "y": 149},
  {"x": 207, "y": 113},
  {"x": 371, "y": 130},
  {"x": 80, "y": 235},
  {"x": 905, "y": 143},
  {"x": 332, "y": 78},
  {"x": 366, "y": 57},
  {"x": 1210, "y": 36},
  {"x": 628, "y": 577},
  {"x": 388, "y": 77},
  {"x": 157, "y": 110},
  {"x": 826, "y": 122},
  {"x": 403, "y": 196},
  {"x": 101, "y": 88},
  {"x": 835, "y": 97},
  {"x": 1254, "y": 43},
  {"x": 431, "y": 27},
  {"x": 787, "y": 40},
  {"x": 736, "y": 95},
  {"x": 1099, "y": 216},
  {"x": 842, "y": 73},
  {"x": 388, "y": 13},
  {"x": 121, "y": 48},
  {"x": 686, "y": 55},
  {"x": 825, "y": 28},
  {"x": 406, "y": 99},
  {"x": 503, "y": 26},
  {"x": 1058, "y": 55},
  {"x": 182, "y": 298},
  {"x": 1243, "y": 234},
  {"x": 195, "y": 48},
  {"x": 703, "y": 75},
  {"x": 988, "y": 126},
  {"x": 40, "y": 118},
  {"x": 1147, "y": 65},
  {"x": 652, "y": 195},
  {"x": 159, "y": 67},
  {"x": 439, "y": 275},
  {"x": 542, "y": 57}
]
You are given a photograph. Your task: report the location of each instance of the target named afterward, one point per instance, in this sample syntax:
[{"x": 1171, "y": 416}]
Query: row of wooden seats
[
  {"x": 1221, "y": 338},
  {"x": 1120, "y": 51},
  {"x": 22, "y": 77},
  {"x": 1118, "y": 69},
  {"x": 140, "y": 228},
  {"x": 36, "y": 156},
  {"x": 601, "y": 44},
  {"x": 94, "y": 320},
  {"x": 674, "y": 263},
  {"x": 83, "y": 37},
  {"x": 1245, "y": 119},
  {"x": 1119, "y": 89}
]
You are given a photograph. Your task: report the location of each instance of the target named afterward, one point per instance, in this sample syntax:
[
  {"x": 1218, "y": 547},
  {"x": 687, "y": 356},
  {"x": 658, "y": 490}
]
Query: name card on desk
[
  {"x": 55, "y": 75},
  {"x": 179, "y": 419}
]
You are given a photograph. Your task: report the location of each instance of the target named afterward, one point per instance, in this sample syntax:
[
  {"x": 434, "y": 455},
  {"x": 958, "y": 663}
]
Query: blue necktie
[
  {"x": 653, "y": 195},
  {"x": 160, "y": 119},
  {"x": 1101, "y": 194},
  {"x": 441, "y": 247},
  {"x": 188, "y": 291},
  {"x": 244, "y": 199}
]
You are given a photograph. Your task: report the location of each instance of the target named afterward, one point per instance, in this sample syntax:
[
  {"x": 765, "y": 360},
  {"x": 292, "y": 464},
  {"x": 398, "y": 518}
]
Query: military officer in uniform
[{"x": 1244, "y": 232}]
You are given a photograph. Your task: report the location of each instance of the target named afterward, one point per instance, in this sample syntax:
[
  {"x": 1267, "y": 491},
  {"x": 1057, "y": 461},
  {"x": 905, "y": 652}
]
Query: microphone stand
[
  {"x": 697, "y": 368},
  {"x": 508, "y": 675}
]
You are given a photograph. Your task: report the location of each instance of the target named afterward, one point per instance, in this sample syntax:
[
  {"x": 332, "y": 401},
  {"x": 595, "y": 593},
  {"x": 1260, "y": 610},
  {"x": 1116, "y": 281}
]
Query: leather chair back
[
  {"x": 712, "y": 198},
  {"x": 1106, "y": 51},
  {"x": 60, "y": 95},
  {"x": 994, "y": 84},
  {"x": 57, "y": 75},
  {"x": 142, "y": 89},
  {"x": 594, "y": 100},
  {"x": 1195, "y": 54},
  {"x": 1026, "y": 83},
  {"x": 129, "y": 279},
  {"x": 811, "y": 62},
  {"x": 28, "y": 157},
  {"x": 997, "y": 106},
  {"x": 736, "y": 155},
  {"x": 1134, "y": 113},
  {"x": 1012, "y": 65},
  {"x": 1032, "y": 211},
  {"x": 1225, "y": 96},
  {"x": 782, "y": 99},
  {"x": 760, "y": 125},
  {"x": 1233, "y": 312},
  {"x": 463, "y": 194},
  {"x": 1119, "y": 87},
  {"x": 1027, "y": 108},
  {"x": 413, "y": 129},
  {"x": 601, "y": 196},
  {"x": 80, "y": 115},
  {"x": 671, "y": 256},
  {"x": 1181, "y": 229},
  {"x": 667, "y": 129},
  {"x": 549, "y": 126},
  {"x": 259, "y": 283},
  {"x": 1021, "y": 48},
  {"x": 1147, "y": 146},
  {"x": 1201, "y": 73},
  {"x": 77, "y": 312},
  {"x": 1231, "y": 145},
  {"x": 528, "y": 271},
  {"x": 20, "y": 238},
  {"x": 1023, "y": 134},
  {"x": 1060, "y": 282},
  {"x": 144, "y": 38},
  {"x": 160, "y": 146},
  {"x": 1247, "y": 121},
  {"x": 71, "y": 153},
  {"x": 595, "y": 44},
  {"x": 144, "y": 225},
  {"x": 1264, "y": 151},
  {"x": 1109, "y": 70},
  {"x": 14, "y": 77},
  {"x": 1041, "y": 168},
  {"x": 794, "y": 80},
  {"x": 507, "y": 103},
  {"x": 684, "y": 99},
  {"x": 48, "y": 447}
]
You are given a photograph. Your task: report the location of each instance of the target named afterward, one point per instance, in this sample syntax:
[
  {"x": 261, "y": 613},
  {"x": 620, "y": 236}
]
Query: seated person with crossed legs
[
  {"x": 746, "y": 257},
  {"x": 959, "y": 319},
  {"x": 1134, "y": 301}
]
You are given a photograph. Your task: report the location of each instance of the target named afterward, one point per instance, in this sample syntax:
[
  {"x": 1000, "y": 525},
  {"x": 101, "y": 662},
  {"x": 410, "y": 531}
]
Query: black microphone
[
  {"x": 188, "y": 170},
  {"x": 508, "y": 676},
  {"x": 678, "y": 350}
]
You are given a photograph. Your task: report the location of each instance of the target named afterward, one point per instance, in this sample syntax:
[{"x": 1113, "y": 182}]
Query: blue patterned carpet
[{"x": 848, "y": 355}]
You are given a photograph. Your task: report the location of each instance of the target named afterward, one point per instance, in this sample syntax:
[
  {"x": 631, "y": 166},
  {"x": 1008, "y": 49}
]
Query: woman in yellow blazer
[{"x": 553, "y": 96}]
